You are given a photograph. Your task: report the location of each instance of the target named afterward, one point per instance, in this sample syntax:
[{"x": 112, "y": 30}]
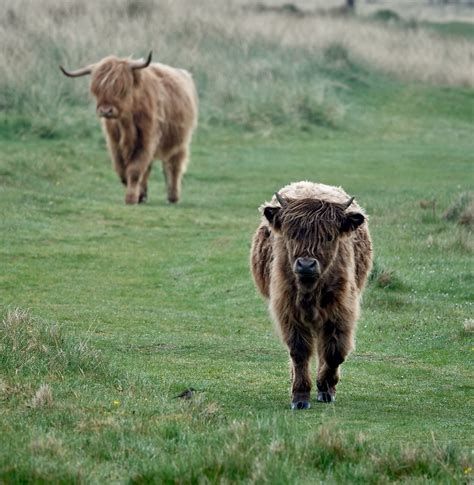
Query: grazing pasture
[{"x": 111, "y": 311}]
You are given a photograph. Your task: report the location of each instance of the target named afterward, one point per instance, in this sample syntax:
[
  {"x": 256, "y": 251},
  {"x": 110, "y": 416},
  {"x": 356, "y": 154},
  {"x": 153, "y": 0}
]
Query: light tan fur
[
  {"x": 318, "y": 316},
  {"x": 153, "y": 115}
]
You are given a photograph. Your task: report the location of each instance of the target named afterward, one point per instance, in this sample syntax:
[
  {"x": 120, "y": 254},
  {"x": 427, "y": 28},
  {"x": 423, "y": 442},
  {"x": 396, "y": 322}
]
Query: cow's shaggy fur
[
  {"x": 146, "y": 113},
  {"x": 310, "y": 258}
]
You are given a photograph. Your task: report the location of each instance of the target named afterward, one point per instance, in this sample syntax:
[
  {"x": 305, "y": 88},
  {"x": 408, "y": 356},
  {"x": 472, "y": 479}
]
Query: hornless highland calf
[
  {"x": 310, "y": 258},
  {"x": 148, "y": 111}
]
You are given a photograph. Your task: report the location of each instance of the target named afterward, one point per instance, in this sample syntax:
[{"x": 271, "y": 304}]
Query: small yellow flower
[
  {"x": 116, "y": 403},
  {"x": 467, "y": 470}
]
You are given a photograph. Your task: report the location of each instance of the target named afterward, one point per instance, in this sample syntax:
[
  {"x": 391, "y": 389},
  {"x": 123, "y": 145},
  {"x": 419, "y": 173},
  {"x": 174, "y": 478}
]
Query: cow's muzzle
[
  {"x": 106, "y": 112},
  {"x": 306, "y": 268}
]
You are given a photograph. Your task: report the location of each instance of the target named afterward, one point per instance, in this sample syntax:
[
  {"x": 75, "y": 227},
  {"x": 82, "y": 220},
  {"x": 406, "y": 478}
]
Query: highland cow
[
  {"x": 310, "y": 258},
  {"x": 148, "y": 111}
]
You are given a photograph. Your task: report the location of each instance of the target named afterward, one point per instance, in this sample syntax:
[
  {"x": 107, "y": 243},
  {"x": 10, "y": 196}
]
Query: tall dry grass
[{"x": 250, "y": 68}]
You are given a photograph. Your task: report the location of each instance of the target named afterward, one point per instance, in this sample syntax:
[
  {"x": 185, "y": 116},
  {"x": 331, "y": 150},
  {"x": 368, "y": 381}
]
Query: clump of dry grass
[
  {"x": 383, "y": 277},
  {"x": 459, "y": 239},
  {"x": 461, "y": 210},
  {"x": 468, "y": 325},
  {"x": 466, "y": 218},
  {"x": 48, "y": 445},
  {"x": 43, "y": 397}
]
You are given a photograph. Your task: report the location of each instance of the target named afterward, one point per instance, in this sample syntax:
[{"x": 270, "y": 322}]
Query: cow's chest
[
  {"x": 307, "y": 309},
  {"x": 313, "y": 309}
]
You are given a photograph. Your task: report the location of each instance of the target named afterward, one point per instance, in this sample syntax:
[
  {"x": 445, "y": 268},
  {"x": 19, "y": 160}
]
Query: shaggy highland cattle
[
  {"x": 148, "y": 111},
  {"x": 310, "y": 258}
]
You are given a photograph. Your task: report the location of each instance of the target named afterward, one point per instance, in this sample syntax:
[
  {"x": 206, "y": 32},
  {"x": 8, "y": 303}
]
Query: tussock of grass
[
  {"x": 459, "y": 239},
  {"x": 383, "y": 277},
  {"x": 43, "y": 397},
  {"x": 460, "y": 207},
  {"x": 468, "y": 325},
  {"x": 462, "y": 212},
  {"x": 48, "y": 445},
  {"x": 30, "y": 346}
]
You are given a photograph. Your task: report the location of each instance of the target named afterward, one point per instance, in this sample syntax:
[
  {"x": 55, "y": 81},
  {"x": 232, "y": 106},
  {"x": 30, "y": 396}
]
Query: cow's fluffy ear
[
  {"x": 272, "y": 215},
  {"x": 352, "y": 221}
]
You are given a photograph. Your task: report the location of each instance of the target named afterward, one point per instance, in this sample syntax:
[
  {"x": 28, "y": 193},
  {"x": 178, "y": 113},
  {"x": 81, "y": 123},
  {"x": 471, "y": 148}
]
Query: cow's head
[
  {"x": 309, "y": 231},
  {"x": 112, "y": 83}
]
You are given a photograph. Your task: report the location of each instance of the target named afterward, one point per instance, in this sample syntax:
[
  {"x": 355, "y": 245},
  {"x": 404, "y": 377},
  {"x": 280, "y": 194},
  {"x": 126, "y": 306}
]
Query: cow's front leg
[
  {"x": 135, "y": 173},
  {"x": 300, "y": 345},
  {"x": 333, "y": 347}
]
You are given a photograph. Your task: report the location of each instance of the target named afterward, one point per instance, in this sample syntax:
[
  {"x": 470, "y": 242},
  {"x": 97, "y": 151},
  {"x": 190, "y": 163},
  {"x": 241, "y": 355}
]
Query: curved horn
[
  {"x": 78, "y": 73},
  {"x": 141, "y": 63},
  {"x": 283, "y": 202},
  {"x": 348, "y": 203}
]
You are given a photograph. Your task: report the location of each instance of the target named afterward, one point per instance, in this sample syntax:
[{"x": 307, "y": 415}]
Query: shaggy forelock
[
  {"x": 311, "y": 220},
  {"x": 112, "y": 78}
]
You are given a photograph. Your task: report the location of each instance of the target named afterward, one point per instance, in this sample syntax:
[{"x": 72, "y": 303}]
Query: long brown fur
[
  {"x": 318, "y": 317},
  {"x": 156, "y": 113}
]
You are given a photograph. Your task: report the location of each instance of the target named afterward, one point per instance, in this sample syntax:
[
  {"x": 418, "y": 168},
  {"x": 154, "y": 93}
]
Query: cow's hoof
[
  {"x": 325, "y": 397},
  {"x": 131, "y": 199},
  {"x": 300, "y": 405},
  {"x": 142, "y": 199},
  {"x": 173, "y": 200}
]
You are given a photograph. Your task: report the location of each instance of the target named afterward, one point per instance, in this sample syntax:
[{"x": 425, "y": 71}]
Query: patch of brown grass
[{"x": 43, "y": 397}]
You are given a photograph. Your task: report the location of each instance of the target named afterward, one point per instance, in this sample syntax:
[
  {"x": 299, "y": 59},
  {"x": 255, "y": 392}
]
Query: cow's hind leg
[
  {"x": 333, "y": 347},
  {"x": 300, "y": 346},
  {"x": 173, "y": 169}
]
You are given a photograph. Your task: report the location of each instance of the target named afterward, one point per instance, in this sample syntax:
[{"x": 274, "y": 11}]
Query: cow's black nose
[{"x": 306, "y": 266}]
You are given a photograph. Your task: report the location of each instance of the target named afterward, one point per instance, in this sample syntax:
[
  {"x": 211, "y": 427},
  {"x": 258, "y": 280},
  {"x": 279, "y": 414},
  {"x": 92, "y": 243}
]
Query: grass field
[{"x": 122, "y": 308}]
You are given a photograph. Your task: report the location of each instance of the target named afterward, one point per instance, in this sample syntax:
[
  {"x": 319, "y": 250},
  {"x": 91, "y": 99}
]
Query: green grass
[
  {"x": 128, "y": 306},
  {"x": 458, "y": 29}
]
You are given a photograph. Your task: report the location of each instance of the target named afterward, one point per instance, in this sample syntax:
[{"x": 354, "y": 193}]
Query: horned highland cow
[
  {"x": 148, "y": 111},
  {"x": 310, "y": 257}
]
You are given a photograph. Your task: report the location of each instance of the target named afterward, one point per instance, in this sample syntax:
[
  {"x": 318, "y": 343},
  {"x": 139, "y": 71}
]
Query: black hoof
[
  {"x": 300, "y": 405},
  {"x": 325, "y": 397},
  {"x": 142, "y": 199}
]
